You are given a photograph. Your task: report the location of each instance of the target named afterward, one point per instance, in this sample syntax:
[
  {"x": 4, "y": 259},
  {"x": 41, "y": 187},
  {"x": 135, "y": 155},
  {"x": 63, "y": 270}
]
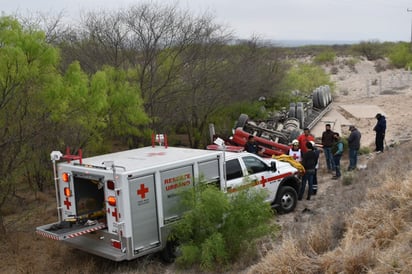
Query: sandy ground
[
  {"x": 361, "y": 93},
  {"x": 355, "y": 103}
]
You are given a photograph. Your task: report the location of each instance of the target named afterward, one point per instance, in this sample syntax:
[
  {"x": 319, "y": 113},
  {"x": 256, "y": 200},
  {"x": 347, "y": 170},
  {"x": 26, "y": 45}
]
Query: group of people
[{"x": 303, "y": 150}]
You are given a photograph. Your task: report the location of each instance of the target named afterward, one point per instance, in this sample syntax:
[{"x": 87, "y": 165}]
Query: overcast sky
[{"x": 340, "y": 20}]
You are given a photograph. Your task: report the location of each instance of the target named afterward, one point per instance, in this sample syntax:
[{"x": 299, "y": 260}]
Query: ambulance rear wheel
[
  {"x": 170, "y": 252},
  {"x": 286, "y": 199}
]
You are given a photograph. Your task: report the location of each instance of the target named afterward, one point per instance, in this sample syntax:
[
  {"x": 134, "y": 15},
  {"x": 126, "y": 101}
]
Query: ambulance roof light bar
[
  {"x": 159, "y": 138},
  {"x": 70, "y": 157}
]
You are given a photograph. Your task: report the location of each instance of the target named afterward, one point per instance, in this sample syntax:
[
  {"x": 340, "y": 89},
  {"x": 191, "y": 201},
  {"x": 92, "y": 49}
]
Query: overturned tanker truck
[{"x": 274, "y": 135}]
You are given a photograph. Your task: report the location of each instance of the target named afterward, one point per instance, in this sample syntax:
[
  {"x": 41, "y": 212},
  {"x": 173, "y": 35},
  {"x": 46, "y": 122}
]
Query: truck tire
[
  {"x": 170, "y": 252},
  {"x": 329, "y": 94},
  {"x": 241, "y": 122},
  {"x": 322, "y": 97},
  {"x": 294, "y": 134},
  {"x": 315, "y": 100},
  {"x": 292, "y": 110},
  {"x": 286, "y": 199},
  {"x": 300, "y": 115}
]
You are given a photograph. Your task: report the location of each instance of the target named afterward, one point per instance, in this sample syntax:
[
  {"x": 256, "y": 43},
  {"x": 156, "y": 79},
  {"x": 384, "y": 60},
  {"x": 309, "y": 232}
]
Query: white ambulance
[{"x": 122, "y": 205}]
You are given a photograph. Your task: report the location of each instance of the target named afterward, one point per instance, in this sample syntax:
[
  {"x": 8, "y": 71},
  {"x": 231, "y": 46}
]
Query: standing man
[
  {"x": 354, "y": 146},
  {"x": 315, "y": 177},
  {"x": 337, "y": 151},
  {"x": 309, "y": 161},
  {"x": 380, "y": 129},
  {"x": 327, "y": 143},
  {"x": 251, "y": 145},
  {"x": 304, "y": 138}
]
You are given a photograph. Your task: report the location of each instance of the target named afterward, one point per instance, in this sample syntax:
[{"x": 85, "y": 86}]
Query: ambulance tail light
[
  {"x": 116, "y": 244},
  {"x": 111, "y": 200},
  {"x": 67, "y": 192},
  {"x": 66, "y": 177},
  {"x": 110, "y": 185}
]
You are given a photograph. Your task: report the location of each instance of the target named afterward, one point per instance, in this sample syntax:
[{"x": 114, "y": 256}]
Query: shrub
[
  {"x": 351, "y": 63},
  {"x": 344, "y": 91},
  {"x": 326, "y": 57},
  {"x": 380, "y": 66},
  {"x": 305, "y": 78},
  {"x": 219, "y": 227},
  {"x": 364, "y": 150},
  {"x": 372, "y": 50},
  {"x": 400, "y": 56},
  {"x": 348, "y": 177},
  {"x": 334, "y": 70}
]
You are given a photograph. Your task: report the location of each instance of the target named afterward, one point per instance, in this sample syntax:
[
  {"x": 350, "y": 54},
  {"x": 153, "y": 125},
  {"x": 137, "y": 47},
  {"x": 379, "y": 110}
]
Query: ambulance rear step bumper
[
  {"x": 96, "y": 247},
  {"x": 93, "y": 239},
  {"x": 63, "y": 230}
]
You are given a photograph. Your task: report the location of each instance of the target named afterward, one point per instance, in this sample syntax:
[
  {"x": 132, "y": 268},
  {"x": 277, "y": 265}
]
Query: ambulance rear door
[{"x": 145, "y": 226}]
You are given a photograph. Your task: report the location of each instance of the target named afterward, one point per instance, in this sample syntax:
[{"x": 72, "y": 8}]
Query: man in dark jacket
[
  {"x": 251, "y": 145},
  {"x": 354, "y": 146},
  {"x": 327, "y": 143},
  {"x": 309, "y": 161},
  {"x": 337, "y": 151},
  {"x": 380, "y": 129}
]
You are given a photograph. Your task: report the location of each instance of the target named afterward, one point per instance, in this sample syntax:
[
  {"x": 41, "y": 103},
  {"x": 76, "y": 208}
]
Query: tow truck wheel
[{"x": 286, "y": 199}]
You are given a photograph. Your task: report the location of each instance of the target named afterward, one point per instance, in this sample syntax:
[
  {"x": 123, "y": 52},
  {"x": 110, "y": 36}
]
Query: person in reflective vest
[{"x": 295, "y": 151}]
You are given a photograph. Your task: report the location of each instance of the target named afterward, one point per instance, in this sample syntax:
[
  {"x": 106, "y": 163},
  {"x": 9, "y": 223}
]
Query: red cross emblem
[
  {"x": 263, "y": 181},
  {"x": 114, "y": 214},
  {"x": 295, "y": 156},
  {"x": 142, "y": 191},
  {"x": 67, "y": 203},
  {"x": 155, "y": 154}
]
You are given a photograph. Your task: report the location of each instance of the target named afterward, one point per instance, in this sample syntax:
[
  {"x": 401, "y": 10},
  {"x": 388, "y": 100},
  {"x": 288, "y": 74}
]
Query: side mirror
[{"x": 273, "y": 166}]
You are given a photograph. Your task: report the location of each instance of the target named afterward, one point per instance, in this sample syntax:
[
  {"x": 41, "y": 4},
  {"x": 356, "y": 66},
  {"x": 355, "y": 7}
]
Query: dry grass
[{"x": 377, "y": 232}]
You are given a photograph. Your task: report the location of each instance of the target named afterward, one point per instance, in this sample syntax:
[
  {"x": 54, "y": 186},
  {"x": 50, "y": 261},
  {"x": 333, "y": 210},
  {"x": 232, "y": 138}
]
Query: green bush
[
  {"x": 326, "y": 57},
  {"x": 372, "y": 50},
  {"x": 348, "y": 178},
  {"x": 219, "y": 227},
  {"x": 305, "y": 78},
  {"x": 400, "y": 55},
  {"x": 364, "y": 150}
]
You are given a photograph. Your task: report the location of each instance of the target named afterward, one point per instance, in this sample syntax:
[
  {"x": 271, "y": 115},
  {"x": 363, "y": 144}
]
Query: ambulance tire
[
  {"x": 169, "y": 253},
  {"x": 286, "y": 199}
]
